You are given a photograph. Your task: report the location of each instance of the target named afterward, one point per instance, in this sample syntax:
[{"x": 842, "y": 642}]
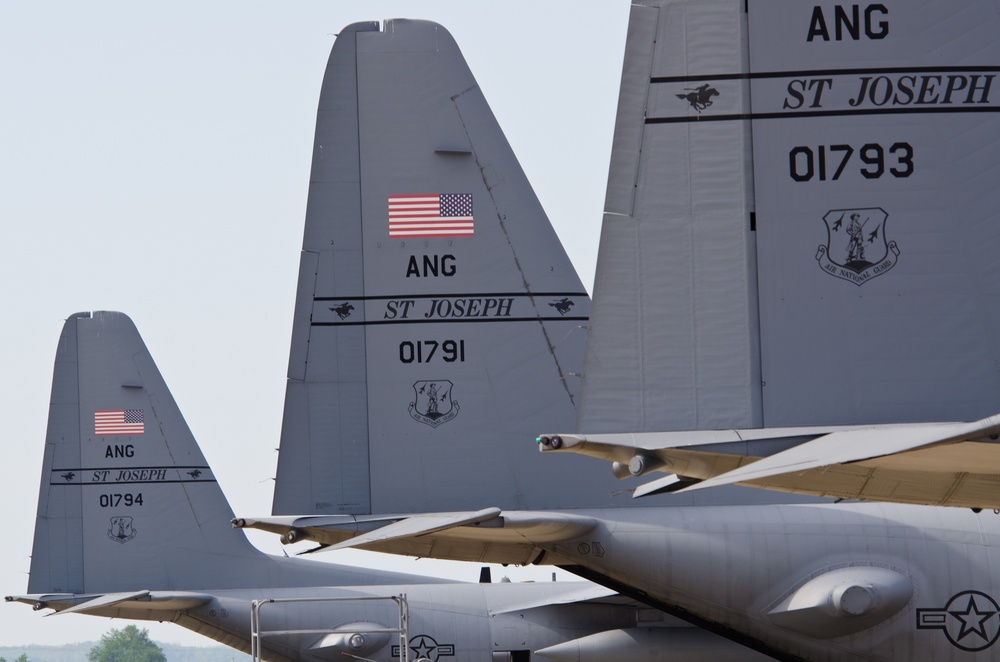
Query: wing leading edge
[{"x": 941, "y": 464}]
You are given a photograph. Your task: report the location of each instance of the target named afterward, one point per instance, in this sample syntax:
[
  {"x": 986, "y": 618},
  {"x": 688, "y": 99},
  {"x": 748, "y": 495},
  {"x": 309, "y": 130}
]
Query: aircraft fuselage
[
  {"x": 447, "y": 622},
  {"x": 819, "y": 582}
]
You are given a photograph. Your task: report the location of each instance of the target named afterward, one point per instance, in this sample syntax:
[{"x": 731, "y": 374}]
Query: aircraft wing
[
  {"x": 487, "y": 536},
  {"x": 945, "y": 464}
]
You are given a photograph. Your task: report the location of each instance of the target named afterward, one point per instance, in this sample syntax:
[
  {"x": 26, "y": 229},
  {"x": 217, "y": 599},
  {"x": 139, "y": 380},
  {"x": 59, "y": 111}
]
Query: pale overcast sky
[{"x": 155, "y": 160}]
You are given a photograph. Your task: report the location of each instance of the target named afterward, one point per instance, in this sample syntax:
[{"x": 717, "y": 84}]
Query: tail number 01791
[{"x": 425, "y": 351}]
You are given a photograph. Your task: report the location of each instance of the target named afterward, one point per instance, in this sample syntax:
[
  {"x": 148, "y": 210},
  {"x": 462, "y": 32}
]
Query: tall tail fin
[
  {"x": 127, "y": 499},
  {"x": 673, "y": 342},
  {"x": 798, "y": 208},
  {"x": 438, "y": 320}
]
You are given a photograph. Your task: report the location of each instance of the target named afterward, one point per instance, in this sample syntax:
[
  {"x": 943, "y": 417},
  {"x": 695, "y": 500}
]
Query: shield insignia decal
[
  {"x": 121, "y": 529},
  {"x": 856, "y": 247},
  {"x": 433, "y": 403}
]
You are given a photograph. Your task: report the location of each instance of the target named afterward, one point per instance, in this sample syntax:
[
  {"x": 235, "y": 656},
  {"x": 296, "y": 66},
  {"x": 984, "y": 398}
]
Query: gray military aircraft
[
  {"x": 435, "y": 306},
  {"x": 940, "y": 464},
  {"x": 132, "y": 524},
  {"x": 431, "y": 331},
  {"x": 749, "y": 279}
]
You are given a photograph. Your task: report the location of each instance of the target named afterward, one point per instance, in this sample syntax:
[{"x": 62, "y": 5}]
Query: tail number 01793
[{"x": 828, "y": 162}]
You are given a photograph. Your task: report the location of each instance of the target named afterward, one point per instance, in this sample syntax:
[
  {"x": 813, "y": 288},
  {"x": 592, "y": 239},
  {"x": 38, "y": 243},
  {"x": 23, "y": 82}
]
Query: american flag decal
[
  {"x": 435, "y": 215},
  {"x": 118, "y": 421}
]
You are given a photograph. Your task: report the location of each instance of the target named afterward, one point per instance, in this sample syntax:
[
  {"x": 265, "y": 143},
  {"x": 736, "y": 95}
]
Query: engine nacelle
[
  {"x": 354, "y": 639},
  {"x": 843, "y": 601}
]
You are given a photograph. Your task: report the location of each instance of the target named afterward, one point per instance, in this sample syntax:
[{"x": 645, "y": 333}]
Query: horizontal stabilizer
[
  {"x": 108, "y": 600},
  {"x": 74, "y": 603},
  {"x": 665, "y": 485},
  {"x": 862, "y": 444},
  {"x": 486, "y": 536},
  {"x": 622, "y": 447},
  {"x": 943, "y": 464},
  {"x": 582, "y": 592},
  {"x": 420, "y": 525}
]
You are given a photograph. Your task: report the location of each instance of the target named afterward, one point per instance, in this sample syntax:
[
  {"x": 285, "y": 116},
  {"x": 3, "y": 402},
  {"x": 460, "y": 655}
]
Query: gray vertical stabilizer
[
  {"x": 127, "y": 499},
  {"x": 800, "y": 226},
  {"x": 875, "y": 142},
  {"x": 674, "y": 341},
  {"x": 439, "y": 325}
]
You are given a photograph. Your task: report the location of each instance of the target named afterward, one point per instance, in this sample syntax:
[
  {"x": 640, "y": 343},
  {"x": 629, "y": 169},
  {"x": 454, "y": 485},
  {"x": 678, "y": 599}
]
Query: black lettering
[
  {"x": 955, "y": 83},
  {"x": 858, "y": 100},
  {"x": 874, "y": 94},
  {"x": 99, "y": 476},
  {"x": 399, "y": 308},
  {"x": 905, "y": 85},
  {"x": 847, "y": 22},
  {"x": 473, "y": 310},
  {"x": 852, "y": 24},
  {"x": 460, "y": 309},
  {"x": 134, "y": 475},
  {"x": 116, "y": 500},
  {"x": 504, "y": 306},
  {"x": 796, "y": 93},
  {"x": 118, "y": 450},
  {"x": 803, "y": 164},
  {"x": 817, "y": 84},
  {"x": 411, "y": 267},
  {"x": 974, "y": 86},
  {"x": 904, "y": 153},
  {"x": 927, "y": 86},
  {"x": 883, "y": 26},
  {"x": 797, "y": 173},
  {"x": 814, "y": 85},
  {"x": 430, "y": 265},
  {"x": 817, "y": 26}
]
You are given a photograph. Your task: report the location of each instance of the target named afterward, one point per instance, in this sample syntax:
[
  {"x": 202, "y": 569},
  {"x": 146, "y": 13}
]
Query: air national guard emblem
[
  {"x": 433, "y": 403},
  {"x": 856, "y": 248},
  {"x": 121, "y": 529}
]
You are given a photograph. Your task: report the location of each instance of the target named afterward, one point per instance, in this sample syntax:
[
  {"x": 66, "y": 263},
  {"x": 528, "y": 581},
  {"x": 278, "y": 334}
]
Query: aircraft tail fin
[
  {"x": 438, "y": 321},
  {"x": 127, "y": 499},
  {"x": 673, "y": 341},
  {"x": 751, "y": 274}
]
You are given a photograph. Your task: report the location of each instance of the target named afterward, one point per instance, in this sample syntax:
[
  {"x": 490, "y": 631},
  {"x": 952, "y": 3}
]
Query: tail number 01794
[{"x": 115, "y": 500}]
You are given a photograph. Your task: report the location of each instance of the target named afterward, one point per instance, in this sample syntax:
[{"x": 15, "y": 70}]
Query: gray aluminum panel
[
  {"x": 908, "y": 334},
  {"x": 673, "y": 341},
  {"x": 363, "y": 441}
]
